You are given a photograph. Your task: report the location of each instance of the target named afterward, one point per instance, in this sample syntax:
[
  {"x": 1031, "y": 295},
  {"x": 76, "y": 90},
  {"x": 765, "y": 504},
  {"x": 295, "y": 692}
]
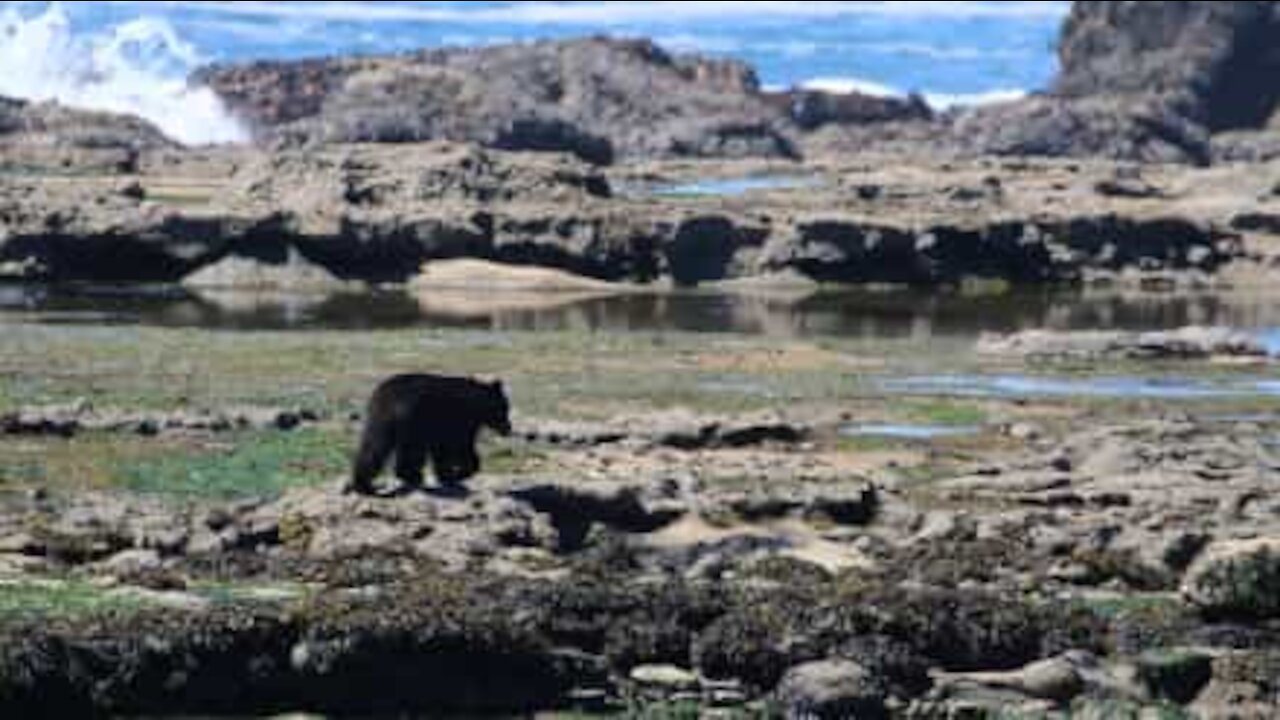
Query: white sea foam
[
  {"x": 849, "y": 85},
  {"x": 936, "y": 100},
  {"x": 947, "y": 101},
  {"x": 138, "y": 67}
]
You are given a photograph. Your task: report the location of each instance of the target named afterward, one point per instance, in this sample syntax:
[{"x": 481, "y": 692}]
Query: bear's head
[{"x": 496, "y": 410}]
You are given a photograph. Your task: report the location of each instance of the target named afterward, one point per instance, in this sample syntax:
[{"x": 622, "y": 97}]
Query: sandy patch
[
  {"x": 481, "y": 275},
  {"x": 801, "y": 541}
]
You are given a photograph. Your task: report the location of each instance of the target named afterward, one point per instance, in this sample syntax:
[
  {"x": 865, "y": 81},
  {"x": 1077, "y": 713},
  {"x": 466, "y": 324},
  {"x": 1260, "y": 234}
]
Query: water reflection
[
  {"x": 732, "y": 187},
  {"x": 1025, "y": 386},
  {"x": 856, "y": 314},
  {"x": 909, "y": 432}
]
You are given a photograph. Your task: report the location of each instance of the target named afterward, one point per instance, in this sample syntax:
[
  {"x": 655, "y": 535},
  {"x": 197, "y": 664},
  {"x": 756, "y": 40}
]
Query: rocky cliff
[
  {"x": 1147, "y": 81},
  {"x": 49, "y": 136},
  {"x": 897, "y": 194},
  {"x": 376, "y": 213},
  {"x": 598, "y": 98},
  {"x": 1156, "y": 82},
  {"x": 1214, "y": 62},
  {"x": 52, "y": 124},
  {"x": 1143, "y": 81}
]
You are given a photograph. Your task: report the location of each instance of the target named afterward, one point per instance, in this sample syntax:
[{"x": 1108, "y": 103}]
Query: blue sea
[{"x": 134, "y": 56}]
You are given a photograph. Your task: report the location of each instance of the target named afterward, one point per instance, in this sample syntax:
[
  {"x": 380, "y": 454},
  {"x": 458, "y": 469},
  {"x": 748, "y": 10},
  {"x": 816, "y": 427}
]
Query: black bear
[{"x": 419, "y": 416}]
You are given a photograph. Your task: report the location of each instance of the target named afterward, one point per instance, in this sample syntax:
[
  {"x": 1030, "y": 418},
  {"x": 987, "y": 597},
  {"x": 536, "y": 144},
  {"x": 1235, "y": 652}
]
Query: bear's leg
[
  {"x": 376, "y": 444},
  {"x": 453, "y": 463},
  {"x": 411, "y": 456},
  {"x": 468, "y": 462},
  {"x": 444, "y": 463}
]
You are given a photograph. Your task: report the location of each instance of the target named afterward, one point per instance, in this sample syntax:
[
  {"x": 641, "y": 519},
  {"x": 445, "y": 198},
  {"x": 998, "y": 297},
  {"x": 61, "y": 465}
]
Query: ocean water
[{"x": 135, "y": 56}]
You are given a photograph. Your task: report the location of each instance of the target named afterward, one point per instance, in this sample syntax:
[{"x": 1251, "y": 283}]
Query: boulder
[
  {"x": 668, "y": 678},
  {"x": 832, "y": 689},
  {"x": 1237, "y": 580},
  {"x": 1177, "y": 676},
  {"x": 131, "y": 561},
  {"x": 287, "y": 270},
  {"x": 1056, "y": 681}
]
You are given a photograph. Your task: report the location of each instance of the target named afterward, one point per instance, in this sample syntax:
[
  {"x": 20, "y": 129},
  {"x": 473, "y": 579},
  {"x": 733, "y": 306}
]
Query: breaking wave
[
  {"x": 139, "y": 67},
  {"x": 938, "y": 101}
]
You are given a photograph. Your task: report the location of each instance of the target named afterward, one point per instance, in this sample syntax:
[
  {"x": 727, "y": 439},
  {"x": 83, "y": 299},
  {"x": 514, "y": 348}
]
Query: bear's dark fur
[{"x": 417, "y": 417}]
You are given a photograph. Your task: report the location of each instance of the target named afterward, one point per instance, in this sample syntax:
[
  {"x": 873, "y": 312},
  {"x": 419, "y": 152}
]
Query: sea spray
[
  {"x": 937, "y": 101},
  {"x": 138, "y": 67}
]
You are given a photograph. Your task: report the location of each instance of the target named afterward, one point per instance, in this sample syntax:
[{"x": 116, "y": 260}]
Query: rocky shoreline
[
  {"x": 377, "y": 214},
  {"x": 1152, "y": 82},
  {"x": 1119, "y": 565},
  {"x": 1057, "y": 558},
  {"x": 634, "y": 552},
  {"x": 522, "y": 154}
]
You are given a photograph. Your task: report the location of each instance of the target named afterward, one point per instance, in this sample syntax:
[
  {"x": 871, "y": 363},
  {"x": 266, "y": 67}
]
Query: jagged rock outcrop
[
  {"x": 812, "y": 109},
  {"x": 57, "y": 125},
  {"x": 1213, "y": 62},
  {"x": 1146, "y": 81},
  {"x": 371, "y": 212},
  {"x": 1144, "y": 129},
  {"x": 55, "y": 138},
  {"x": 110, "y": 231},
  {"x": 377, "y": 213},
  {"x": 597, "y": 98}
]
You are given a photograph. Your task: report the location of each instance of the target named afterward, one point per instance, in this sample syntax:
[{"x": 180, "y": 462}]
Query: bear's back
[{"x": 417, "y": 388}]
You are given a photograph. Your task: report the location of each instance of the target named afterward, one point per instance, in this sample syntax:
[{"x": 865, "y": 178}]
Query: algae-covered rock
[{"x": 1237, "y": 580}]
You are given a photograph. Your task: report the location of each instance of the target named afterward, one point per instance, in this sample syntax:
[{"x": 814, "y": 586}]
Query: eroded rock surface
[
  {"x": 376, "y": 214},
  {"x": 627, "y": 568},
  {"x": 1191, "y": 343},
  {"x": 596, "y": 98}
]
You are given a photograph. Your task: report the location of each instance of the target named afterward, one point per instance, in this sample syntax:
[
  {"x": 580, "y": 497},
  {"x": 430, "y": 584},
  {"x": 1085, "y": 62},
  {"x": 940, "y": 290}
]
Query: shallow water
[
  {"x": 909, "y": 432},
  {"x": 889, "y": 315},
  {"x": 1027, "y": 386},
  {"x": 1244, "y": 418},
  {"x": 929, "y": 335},
  {"x": 732, "y": 187}
]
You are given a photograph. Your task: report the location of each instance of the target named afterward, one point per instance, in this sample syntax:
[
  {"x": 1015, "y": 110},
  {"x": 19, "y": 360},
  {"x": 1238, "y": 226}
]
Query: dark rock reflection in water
[{"x": 898, "y": 315}]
